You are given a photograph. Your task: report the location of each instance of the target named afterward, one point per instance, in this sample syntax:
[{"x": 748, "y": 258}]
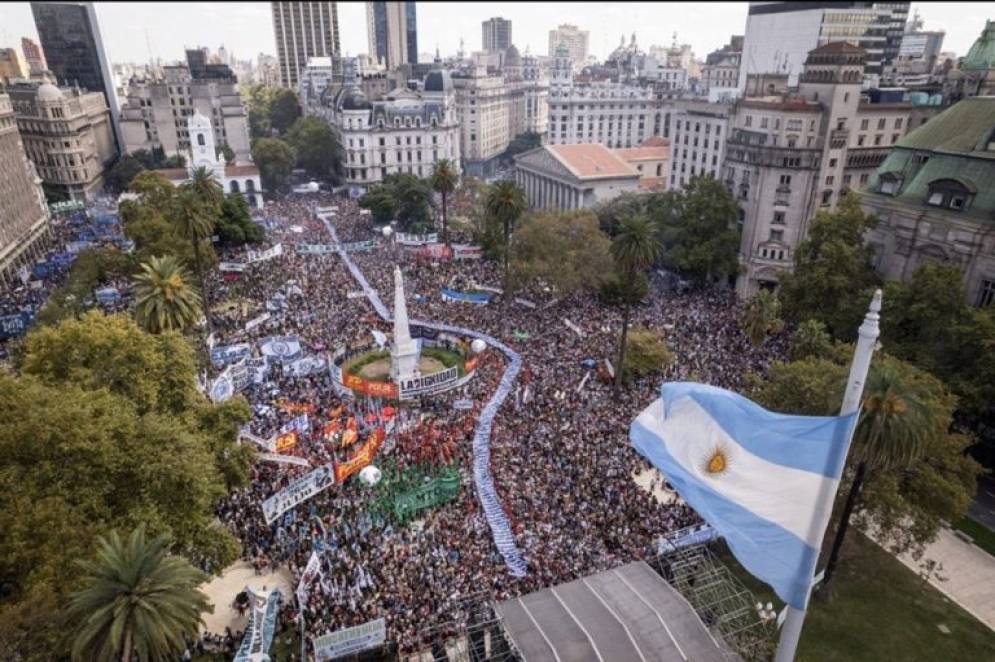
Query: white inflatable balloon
[
  {"x": 370, "y": 475},
  {"x": 478, "y": 345},
  {"x": 387, "y": 230}
]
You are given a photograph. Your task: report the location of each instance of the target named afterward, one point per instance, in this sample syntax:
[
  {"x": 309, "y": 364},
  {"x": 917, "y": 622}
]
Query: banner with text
[
  {"x": 416, "y": 239},
  {"x": 349, "y": 641},
  {"x": 298, "y": 492},
  {"x": 262, "y": 624}
]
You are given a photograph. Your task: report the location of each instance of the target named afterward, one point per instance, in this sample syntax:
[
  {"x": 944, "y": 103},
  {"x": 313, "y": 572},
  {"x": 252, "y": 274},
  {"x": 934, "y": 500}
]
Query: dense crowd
[{"x": 560, "y": 455}]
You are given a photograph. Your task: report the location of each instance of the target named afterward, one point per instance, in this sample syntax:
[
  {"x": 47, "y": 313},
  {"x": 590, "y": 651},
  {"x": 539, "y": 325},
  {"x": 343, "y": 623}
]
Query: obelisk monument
[{"x": 403, "y": 350}]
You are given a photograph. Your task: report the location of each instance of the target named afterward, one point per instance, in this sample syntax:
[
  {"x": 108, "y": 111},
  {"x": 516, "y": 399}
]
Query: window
[
  {"x": 986, "y": 293},
  {"x": 950, "y": 193},
  {"x": 785, "y": 180},
  {"x": 881, "y": 124},
  {"x": 860, "y": 140},
  {"x": 827, "y": 197},
  {"x": 898, "y": 122},
  {"x": 200, "y": 139},
  {"x": 877, "y": 139},
  {"x": 749, "y": 121},
  {"x": 778, "y": 218},
  {"x": 777, "y": 235},
  {"x": 829, "y": 180},
  {"x": 894, "y": 138},
  {"x": 863, "y": 124}
]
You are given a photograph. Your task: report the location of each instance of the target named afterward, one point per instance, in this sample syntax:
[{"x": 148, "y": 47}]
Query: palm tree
[
  {"x": 444, "y": 179},
  {"x": 634, "y": 249},
  {"x": 136, "y": 599},
  {"x": 207, "y": 188},
  {"x": 505, "y": 203},
  {"x": 893, "y": 431},
  {"x": 195, "y": 223},
  {"x": 761, "y": 316},
  {"x": 164, "y": 301}
]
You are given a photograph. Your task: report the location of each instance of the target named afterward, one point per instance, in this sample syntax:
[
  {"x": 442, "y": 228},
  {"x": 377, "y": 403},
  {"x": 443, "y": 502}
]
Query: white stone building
[{"x": 698, "y": 131}]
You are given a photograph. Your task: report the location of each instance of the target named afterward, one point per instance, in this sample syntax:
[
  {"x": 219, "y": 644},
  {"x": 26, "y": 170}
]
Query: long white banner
[
  {"x": 279, "y": 458},
  {"x": 252, "y": 256},
  {"x": 416, "y": 239},
  {"x": 297, "y": 492},
  {"x": 350, "y": 641},
  {"x": 311, "y": 571},
  {"x": 410, "y": 388},
  {"x": 262, "y": 626}
]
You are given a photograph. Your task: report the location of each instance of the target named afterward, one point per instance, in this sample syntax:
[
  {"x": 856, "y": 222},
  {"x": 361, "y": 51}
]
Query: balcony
[{"x": 839, "y": 138}]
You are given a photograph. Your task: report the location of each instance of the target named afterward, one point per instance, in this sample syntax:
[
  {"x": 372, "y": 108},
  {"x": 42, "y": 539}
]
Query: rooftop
[
  {"x": 591, "y": 161},
  {"x": 967, "y": 127},
  {"x": 645, "y": 152}
]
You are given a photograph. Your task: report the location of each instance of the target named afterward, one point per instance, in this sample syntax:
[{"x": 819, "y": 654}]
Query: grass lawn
[
  {"x": 880, "y": 610},
  {"x": 982, "y": 535}
]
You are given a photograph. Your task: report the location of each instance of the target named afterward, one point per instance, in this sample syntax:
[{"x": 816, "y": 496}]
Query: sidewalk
[{"x": 969, "y": 572}]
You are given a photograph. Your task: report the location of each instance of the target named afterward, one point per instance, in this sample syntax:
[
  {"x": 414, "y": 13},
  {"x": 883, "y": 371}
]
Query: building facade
[
  {"x": 12, "y": 65},
  {"x": 33, "y": 56},
  {"x": 572, "y": 177},
  {"x": 74, "y": 51},
  {"x": 976, "y": 76},
  {"x": 23, "y": 213},
  {"x": 575, "y": 40},
  {"x": 791, "y": 156},
  {"x": 934, "y": 199},
  {"x": 159, "y": 105},
  {"x": 392, "y": 32},
  {"x": 720, "y": 74},
  {"x": 303, "y": 30},
  {"x": 698, "y": 131},
  {"x": 67, "y": 135},
  {"x": 496, "y": 35},
  {"x": 405, "y": 132}
]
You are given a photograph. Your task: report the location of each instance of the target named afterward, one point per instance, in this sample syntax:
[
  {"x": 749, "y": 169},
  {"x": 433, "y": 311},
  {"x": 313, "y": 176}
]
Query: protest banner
[
  {"x": 298, "y": 491},
  {"x": 237, "y": 267},
  {"x": 467, "y": 252},
  {"x": 466, "y": 297},
  {"x": 373, "y": 389},
  {"x": 225, "y": 354},
  {"x": 12, "y": 326},
  {"x": 305, "y": 366},
  {"x": 349, "y": 641},
  {"x": 286, "y": 441},
  {"x": 256, "y": 321},
  {"x": 405, "y": 239},
  {"x": 262, "y": 625},
  {"x": 282, "y": 349},
  {"x": 300, "y": 423},
  {"x": 253, "y": 257},
  {"x": 362, "y": 457},
  {"x": 311, "y": 572},
  {"x": 283, "y": 459},
  {"x": 416, "y": 386}
]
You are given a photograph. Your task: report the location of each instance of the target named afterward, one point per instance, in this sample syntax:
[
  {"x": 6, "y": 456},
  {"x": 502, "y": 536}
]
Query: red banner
[
  {"x": 362, "y": 457},
  {"x": 296, "y": 407},
  {"x": 374, "y": 389},
  {"x": 286, "y": 441},
  {"x": 470, "y": 365}
]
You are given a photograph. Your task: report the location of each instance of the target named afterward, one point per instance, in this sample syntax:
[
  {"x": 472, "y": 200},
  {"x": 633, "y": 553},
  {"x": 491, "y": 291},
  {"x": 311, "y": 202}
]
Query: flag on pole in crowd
[{"x": 760, "y": 478}]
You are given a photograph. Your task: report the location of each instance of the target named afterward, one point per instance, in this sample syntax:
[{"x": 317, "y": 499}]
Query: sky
[{"x": 245, "y": 28}]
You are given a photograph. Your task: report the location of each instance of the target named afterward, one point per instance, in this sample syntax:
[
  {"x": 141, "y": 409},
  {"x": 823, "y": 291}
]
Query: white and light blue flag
[{"x": 765, "y": 481}]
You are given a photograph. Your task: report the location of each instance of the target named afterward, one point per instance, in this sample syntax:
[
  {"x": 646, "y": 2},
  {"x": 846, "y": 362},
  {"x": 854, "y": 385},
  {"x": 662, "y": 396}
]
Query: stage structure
[
  {"x": 475, "y": 633},
  {"x": 720, "y": 600}
]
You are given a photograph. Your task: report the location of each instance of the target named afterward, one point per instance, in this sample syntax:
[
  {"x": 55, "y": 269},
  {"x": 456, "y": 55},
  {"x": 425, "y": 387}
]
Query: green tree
[
  {"x": 256, "y": 99},
  {"x": 761, "y": 316},
  {"x": 413, "y": 197},
  {"x": 194, "y": 222},
  {"x": 206, "y": 188},
  {"x": 811, "y": 340},
  {"x": 698, "y": 229},
  {"x": 504, "y": 204},
  {"x": 832, "y": 271},
  {"x": 646, "y": 354},
  {"x": 381, "y": 203},
  {"x": 92, "y": 268},
  {"x": 316, "y": 147},
  {"x": 566, "y": 251},
  {"x": 444, "y": 179},
  {"x": 225, "y": 151},
  {"x": 284, "y": 109},
  {"x": 234, "y": 226},
  {"x": 118, "y": 178},
  {"x": 634, "y": 249},
  {"x": 137, "y": 600},
  {"x": 153, "y": 232},
  {"x": 523, "y": 142},
  {"x": 164, "y": 300},
  {"x": 275, "y": 159},
  {"x": 611, "y": 213}
]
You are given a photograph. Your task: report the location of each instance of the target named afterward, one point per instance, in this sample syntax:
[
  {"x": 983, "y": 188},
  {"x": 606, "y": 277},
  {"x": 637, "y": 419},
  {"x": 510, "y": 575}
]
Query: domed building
[
  {"x": 976, "y": 77},
  {"x": 405, "y": 131}
]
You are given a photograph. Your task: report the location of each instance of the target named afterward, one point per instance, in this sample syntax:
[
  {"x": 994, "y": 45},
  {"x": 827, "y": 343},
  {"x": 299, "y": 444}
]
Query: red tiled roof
[
  {"x": 591, "y": 161},
  {"x": 174, "y": 174},
  {"x": 240, "y": 170},
  {"x": 655, "y": 141},
  {"x": 644, "y": 153}
]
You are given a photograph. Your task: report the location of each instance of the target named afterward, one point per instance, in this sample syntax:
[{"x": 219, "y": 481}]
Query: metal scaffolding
[
  {"x": 474, "y": 633},
  {"x": 726, "y": 607}
]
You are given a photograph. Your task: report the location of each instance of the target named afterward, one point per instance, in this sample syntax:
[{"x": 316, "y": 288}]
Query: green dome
[{"x": 982, "y": 53}]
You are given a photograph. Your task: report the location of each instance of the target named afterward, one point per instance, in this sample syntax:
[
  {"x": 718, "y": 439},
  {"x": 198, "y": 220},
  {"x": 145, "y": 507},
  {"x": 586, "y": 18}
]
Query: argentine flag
[{"x": 765, "y": 481}]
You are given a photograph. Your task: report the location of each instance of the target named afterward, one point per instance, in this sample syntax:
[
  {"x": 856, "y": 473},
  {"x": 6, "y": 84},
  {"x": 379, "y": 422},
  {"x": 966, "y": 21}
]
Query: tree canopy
[
  {"x": 275, "y": 160},
  {"x": 566, "y": 251},
  {"x": 402, "y": 197},
  {"x": 316, "y": 148},
  {"x": 234, "y": 226},
  {"x": 284, "y": 109}
]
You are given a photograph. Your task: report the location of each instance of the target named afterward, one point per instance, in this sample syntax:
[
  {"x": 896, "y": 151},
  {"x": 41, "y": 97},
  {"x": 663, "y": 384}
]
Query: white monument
[{"x": 403, "y": 350}]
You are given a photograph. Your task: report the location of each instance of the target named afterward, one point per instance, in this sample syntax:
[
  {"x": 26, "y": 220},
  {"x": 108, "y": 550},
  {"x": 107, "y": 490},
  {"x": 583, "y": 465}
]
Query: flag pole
[{"x": 867, "y": 337}]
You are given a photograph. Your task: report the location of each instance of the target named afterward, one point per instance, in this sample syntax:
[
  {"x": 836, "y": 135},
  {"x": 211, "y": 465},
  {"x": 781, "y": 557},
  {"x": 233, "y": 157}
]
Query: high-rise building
[
  {"x": 304, "y": 30},
  {"x": 576, "y": 41},
  {"x": 33, "y": 55},
  {"x": 392, "y": 32},
  {"x": 74, "y": 50},
  {"x": 496, "y": 34},
  {"x": 779, "y": 35},
  {"x": 12, "y": 66},
  {"x": 23, "y": 214}
]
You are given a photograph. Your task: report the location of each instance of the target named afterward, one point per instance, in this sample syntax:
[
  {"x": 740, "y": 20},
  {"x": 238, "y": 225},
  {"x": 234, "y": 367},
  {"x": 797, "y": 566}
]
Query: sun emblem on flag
[{"x": 716, "y": 461}]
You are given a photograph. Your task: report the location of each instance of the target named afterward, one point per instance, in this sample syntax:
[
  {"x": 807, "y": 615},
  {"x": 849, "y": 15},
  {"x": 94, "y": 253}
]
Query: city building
[
  {"x": 612, "y": 114},
  {"x": 496, "y": 34},
  {"x": 720, "y": 74},
  {"x": 158, "y": 106},
  {"x": 976, "y": 76},
  {"x": 66, "y": 133},
  {"x": 303, "y": 30},
  {"x": 406, "y": 131},
  {"x": 392, "y": 32},
  {"x": 918, "y": 57},
  {"x": 242, "y": 178},
  {"x": 12, "y": 65},
  {"x": 495, "y": 108},
  {"x": 789, "y": 156},
  {"x": 33, "y": 56},
  {"x": 74, "y": 51},
  {"x": 698, "y": 131},
  {"x": 576, "y": 42},
  {"x": 23, "y": 213},
  {"x": 267, "y": 70},
  {"x": 571, "y": 177},
  {"x": 934, "y": 199},
  {"x": 779, "y": 35}
]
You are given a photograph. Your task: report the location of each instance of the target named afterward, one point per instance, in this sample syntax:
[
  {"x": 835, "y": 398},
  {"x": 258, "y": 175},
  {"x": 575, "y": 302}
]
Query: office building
[
  {"x": 392, "y": 33},
  {"x": 12, "y": 66},
  {"x": 74, "y": 51},
  {"x": 23, "y": 213},
  {"x": 303, "y": 30},
  {"x": 67, "y": 134},
  {"x": 159, "y": 104},
  {"x": 33, "y": 56},
  {"x": 496, "y": 34},
  {"x": 933, "y": 198},
  {"x": 575, "y": 40},
  {"x": 720, "y": 74},
  {"x": 698, "y": 132},
  {"x": 779, "y": 35}
]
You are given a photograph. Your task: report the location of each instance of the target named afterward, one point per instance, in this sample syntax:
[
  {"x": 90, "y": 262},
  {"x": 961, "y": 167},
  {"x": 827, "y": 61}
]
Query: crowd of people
[{"x": 560, "y": 455}]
